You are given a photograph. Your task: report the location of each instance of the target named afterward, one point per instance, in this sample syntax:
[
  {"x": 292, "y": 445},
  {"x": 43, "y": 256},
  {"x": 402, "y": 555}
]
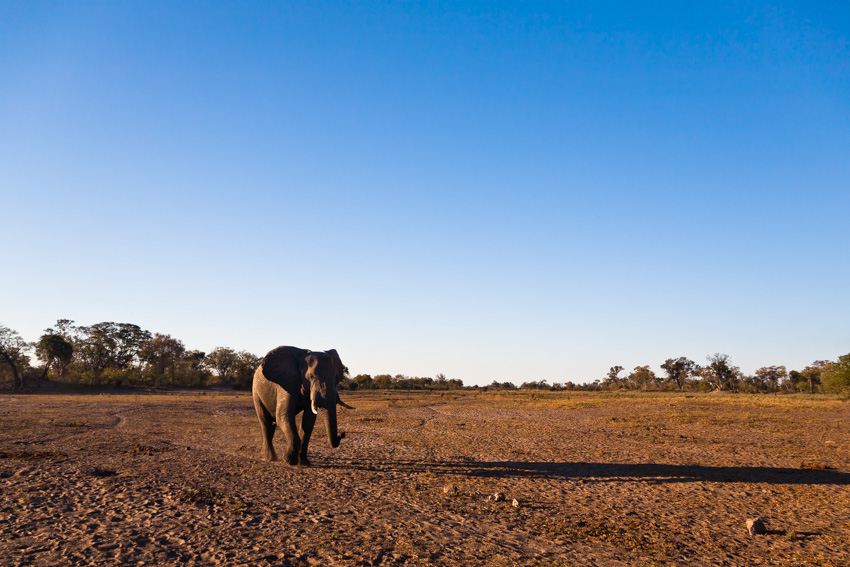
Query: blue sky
[{"x": 494, "y": 191}]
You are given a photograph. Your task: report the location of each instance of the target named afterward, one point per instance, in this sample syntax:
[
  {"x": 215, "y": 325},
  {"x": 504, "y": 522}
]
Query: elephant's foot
[
  {"x": 292, "y": 458},
  {"x": 269, "y": 454},
  {"x": 304, "y": 461}
]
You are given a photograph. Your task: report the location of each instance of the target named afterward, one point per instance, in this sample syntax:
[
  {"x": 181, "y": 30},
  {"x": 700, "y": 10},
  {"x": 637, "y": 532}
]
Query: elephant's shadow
[{"x": 600, "y": 472}]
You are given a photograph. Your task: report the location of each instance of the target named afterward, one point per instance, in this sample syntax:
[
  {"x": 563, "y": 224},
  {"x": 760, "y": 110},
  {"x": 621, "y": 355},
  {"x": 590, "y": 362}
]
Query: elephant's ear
[
  {"x": 283, "y": 367},
  {"x": 341, "y": 370}
]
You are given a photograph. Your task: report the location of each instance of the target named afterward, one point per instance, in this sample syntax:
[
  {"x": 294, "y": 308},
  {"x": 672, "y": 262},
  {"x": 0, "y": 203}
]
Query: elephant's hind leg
[{"x": 267, "y": 426}]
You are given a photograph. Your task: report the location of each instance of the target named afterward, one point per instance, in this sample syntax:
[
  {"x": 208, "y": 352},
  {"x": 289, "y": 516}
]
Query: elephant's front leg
[
  {"x": 308, "y": 420},
  {"x": 286, "y": 421}
]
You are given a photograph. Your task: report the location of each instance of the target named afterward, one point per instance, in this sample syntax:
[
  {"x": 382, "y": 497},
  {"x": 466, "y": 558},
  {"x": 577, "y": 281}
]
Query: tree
[
  {"x": 223, "y": 361},
  {"x": 794, "y": 382},
  {"x": 54, "y": 350},
  {"x": 243, "y": 370},
  {"x": 814, "y": 373},
  {"x": 641, "y": 377},
  {"x": 160, "y": 354},
  {"x": 534, "y": 385},
  {"x": 192, "y": 368},
  {"x": 770, "y": 376},
  {"x": 719, "y": 372},
  {"x": 382, "y": 382},
  {"x": 613, "y": 376},
  {"x": 679, "y": 370},
  {"x": 836, "y": 377},
  {"x": 362, "y": 382},
  {"x": 12, "y": 352},
  {"x": 110, "y": 345},
  {"x": 65, "y": 328},
  {"x": 496, "y": 385}
]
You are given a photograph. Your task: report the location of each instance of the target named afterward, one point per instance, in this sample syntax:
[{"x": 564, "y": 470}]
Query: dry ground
[{"x": 167, "y": 479}]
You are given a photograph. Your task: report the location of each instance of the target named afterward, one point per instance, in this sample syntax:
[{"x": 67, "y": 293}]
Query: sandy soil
[{"x": 167, "y": 479}]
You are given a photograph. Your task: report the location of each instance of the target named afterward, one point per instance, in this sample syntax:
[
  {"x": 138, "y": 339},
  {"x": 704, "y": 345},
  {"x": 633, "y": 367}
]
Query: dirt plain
[{"x": 601, "y": 479}]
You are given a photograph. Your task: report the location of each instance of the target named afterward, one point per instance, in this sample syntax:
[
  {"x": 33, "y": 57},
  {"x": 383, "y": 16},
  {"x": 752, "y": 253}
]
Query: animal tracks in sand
[{"x": 177, "y": 479}]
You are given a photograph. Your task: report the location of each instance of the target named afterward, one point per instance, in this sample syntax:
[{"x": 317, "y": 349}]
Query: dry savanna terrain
[{"x": 600, "y": 479}]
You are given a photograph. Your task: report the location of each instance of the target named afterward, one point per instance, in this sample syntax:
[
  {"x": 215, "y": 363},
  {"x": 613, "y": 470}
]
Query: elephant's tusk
[{"x": 313, "y": 407}]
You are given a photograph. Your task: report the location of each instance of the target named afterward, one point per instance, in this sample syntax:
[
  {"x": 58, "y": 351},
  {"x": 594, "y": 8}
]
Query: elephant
[{"x": 290, "y": 380}]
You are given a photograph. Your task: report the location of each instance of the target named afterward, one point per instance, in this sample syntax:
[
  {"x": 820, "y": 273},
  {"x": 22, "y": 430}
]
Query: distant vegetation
[
  {"x": 124, "y": 354},
  {"x": 720, "y": 374},
  {"x": 399, "y": 382},
  {"x": 119, "y": 354}
]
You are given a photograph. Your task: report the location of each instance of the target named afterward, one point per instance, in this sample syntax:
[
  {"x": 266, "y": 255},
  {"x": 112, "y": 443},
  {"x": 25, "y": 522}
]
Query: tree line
[
  {"x": 400, "y": 382},
  {"x": 119, "y": 354},
  {"x": 124, "y": 354},
  {"x": 720, "y": 374}
]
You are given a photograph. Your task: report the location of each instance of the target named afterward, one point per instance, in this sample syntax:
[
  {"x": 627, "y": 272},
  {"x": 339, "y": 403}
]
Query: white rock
[{"x": 515, "y": 503}]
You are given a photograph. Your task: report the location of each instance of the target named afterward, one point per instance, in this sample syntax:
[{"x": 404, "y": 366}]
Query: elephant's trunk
[
  {"x": 330, "y": 424},
  {"x": 326, "y": 398}
]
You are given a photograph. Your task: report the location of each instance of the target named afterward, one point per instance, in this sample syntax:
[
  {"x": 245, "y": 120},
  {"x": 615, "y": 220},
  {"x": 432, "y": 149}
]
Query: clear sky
[{"x": 494, "y": 191}]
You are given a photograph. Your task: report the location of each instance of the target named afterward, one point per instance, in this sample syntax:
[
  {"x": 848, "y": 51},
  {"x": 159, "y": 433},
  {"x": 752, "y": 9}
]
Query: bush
[{"x": 113, "y": 377}]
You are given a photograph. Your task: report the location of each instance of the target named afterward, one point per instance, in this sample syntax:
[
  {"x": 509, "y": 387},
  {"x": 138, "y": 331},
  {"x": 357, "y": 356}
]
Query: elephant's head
[{"x": 323, "y": 372}]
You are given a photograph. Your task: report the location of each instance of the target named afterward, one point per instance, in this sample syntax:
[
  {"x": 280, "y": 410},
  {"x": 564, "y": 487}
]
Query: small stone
[
  {"x": 755, "y": 526},
  {"x": 450, "y": 489},
  {"x": 515, "y": 503},
  {"x": 498, "y": 497}
]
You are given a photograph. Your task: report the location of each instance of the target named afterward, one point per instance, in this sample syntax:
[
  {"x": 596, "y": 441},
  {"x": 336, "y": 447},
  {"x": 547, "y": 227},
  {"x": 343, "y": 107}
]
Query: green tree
[
  {"x": 382, "y": 382},
  {"x": 813, "y": 373},
  {"x": 795, "y": 381},
  {"x": 836, "y": 376},
  {"x": 160, "y": 355},
  {"x": 223, "y": 361},
  {"x": 613, "y": 376},
  {"x": 55, "y": 351},
  {"x": 496, "y": 385},
  {"x": 534, "y": 385},
  {"x": 678, "y": 370},
  {"x": 192, "y": 370},
  {"x": 362, "y": 382},
  {"x": 720, "y": 373},
  {"x": 642, "y": 377},
  {"x": 110, "y": 345},
  {"x": 13, "y": 353},
  {"x": 64, "y": 328},
  {"x": 243, "y": 370},
  {"x": 769, "y": 377}
]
